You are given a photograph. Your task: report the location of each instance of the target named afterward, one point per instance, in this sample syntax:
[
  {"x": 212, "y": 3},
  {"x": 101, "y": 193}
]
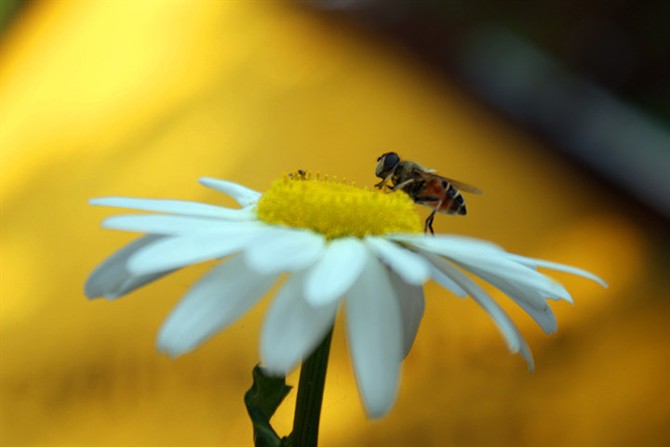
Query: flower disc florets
[{"x": 336, "y": 209}]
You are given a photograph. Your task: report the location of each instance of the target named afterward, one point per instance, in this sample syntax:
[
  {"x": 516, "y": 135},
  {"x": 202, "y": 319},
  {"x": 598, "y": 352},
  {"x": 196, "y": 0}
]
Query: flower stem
[{"x": 310, "y": 395}]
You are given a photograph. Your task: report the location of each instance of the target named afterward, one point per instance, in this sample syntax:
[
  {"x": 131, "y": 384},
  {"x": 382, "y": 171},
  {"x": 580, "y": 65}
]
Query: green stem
[{"x": 310, "y": 395}]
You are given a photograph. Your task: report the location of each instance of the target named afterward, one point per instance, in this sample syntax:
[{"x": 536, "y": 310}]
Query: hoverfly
[{"x": 423, "y": 185}]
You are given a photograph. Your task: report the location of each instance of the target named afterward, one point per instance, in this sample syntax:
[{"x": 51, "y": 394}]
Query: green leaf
[{"x": 262, "y": 400}]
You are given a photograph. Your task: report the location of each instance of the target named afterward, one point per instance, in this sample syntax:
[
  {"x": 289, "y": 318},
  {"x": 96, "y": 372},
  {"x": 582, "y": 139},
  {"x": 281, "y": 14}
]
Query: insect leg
[
  {"x": 381, "y": 184},
  {"x": 402, "y": 185},
  {"x": 428, "y": 226}
]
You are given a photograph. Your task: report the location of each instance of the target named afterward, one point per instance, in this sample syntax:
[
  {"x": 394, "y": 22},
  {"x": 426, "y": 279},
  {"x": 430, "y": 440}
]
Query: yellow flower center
[{"x": 336, "y": 209}]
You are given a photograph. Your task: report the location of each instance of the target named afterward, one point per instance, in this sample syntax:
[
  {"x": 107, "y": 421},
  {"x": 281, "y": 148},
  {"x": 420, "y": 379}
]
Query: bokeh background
[{"x": 558, "y": 113}]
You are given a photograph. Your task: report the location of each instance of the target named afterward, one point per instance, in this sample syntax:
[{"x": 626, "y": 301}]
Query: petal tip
[
  {"x": 601, "y": 281},
  {"x": 205, "y": 181},
  {"x": 169, "y": 348}
]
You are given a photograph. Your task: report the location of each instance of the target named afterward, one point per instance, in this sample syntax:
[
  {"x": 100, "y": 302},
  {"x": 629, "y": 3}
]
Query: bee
[{"x": 424, "y": 186}]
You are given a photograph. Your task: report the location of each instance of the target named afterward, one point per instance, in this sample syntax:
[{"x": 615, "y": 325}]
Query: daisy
[{"x": 338, "y": 244}]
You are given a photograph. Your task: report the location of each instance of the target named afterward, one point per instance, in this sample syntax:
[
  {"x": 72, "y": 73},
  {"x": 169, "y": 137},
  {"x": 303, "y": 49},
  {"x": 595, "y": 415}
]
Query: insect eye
[{"x": 391, "y": 160}]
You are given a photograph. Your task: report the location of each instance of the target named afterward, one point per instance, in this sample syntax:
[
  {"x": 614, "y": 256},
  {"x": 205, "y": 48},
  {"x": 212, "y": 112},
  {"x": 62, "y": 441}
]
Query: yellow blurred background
[{"x": 142, "y": 98}]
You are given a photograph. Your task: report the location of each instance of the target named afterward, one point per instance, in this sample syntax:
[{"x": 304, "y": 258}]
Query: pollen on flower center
[{"x": 336, "y": 209}]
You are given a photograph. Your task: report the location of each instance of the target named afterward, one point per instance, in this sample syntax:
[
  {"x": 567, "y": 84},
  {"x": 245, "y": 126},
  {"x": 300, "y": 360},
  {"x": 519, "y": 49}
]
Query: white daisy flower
[{"x": 339, "y": 244}]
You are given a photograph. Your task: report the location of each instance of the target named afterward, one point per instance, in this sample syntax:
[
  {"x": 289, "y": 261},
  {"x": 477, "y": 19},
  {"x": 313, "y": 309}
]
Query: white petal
[
  {"x": 217, "y": 300},
  {"x": 180, "y": 251},
  {"x": 135, "y": 282},
  {"x": 496, "y": 263},
  {"x": 166, "y": 224},
  {"x": 111, "y": 278},
  {"x": 490, "y": 258},
  {"x": 374, "y": 333},
  {"x": 515, "y": 340},
  {"x": 412, "y": 304},
  {"x": 411, "y": 267},
  {"x": 441, "y": 277},
  {"x": 558, "y": 267},
  {"x": 174, "y": 207},
  {"x": 441, "y": 242},
  {"x": 293, "y": 328},
  {"x": 520, "y": 275},
  {"x": 242, "y": 195},
  {"x": 336, "y": 271},
  {"x": 529, "y": 300},
  {"x": 284, "y": 250}
]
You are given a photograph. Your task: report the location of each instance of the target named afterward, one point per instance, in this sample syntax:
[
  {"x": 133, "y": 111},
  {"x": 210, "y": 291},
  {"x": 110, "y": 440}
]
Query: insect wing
[
  {"x": 429, "y": 177},
  {"x": 464, "y": 187}
]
